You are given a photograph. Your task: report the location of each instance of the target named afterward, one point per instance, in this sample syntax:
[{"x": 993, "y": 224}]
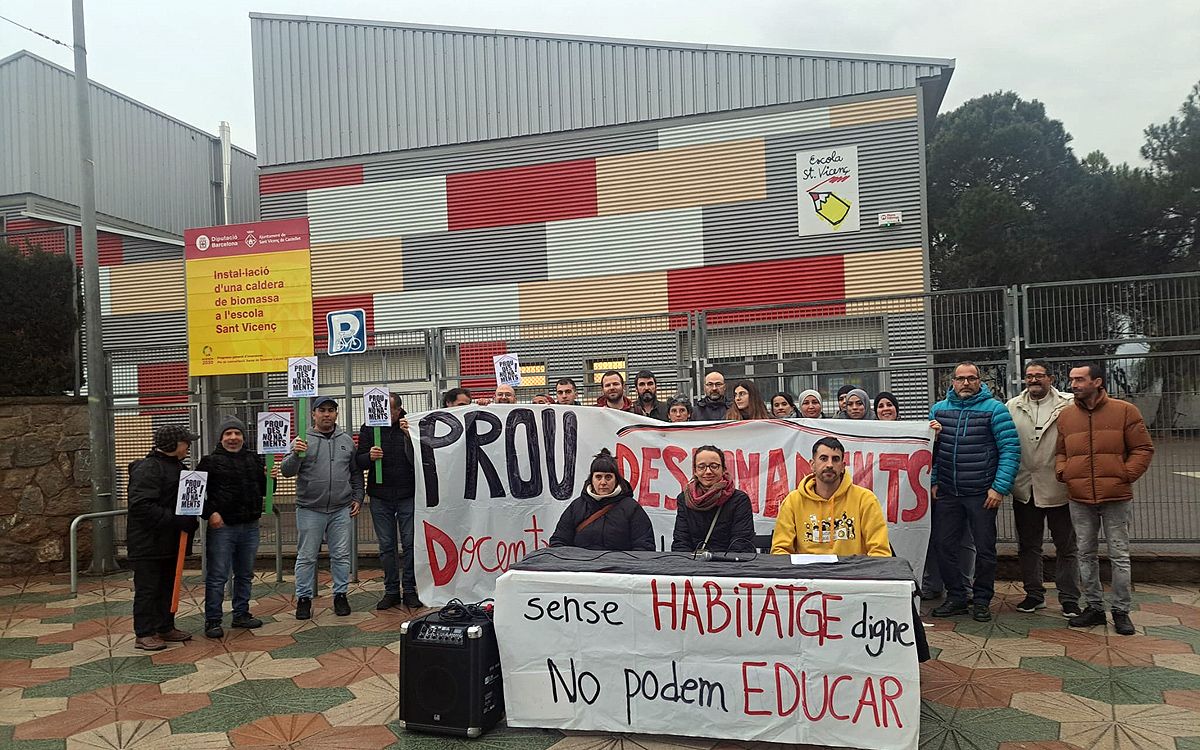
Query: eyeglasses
[
  {"x": 1037, "y": 376},
  {"x": 966, "y": 379},
  {"x": 709, "y": 467}
]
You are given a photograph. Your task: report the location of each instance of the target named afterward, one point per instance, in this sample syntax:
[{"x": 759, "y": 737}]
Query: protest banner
[
  {"x": 492, "y": 482},
  {"x": 274, "y": 439},
  {"x": 249, "y": 296},
  {"x": 814, "y": 661},
  {"x": 378, "y": 409}
]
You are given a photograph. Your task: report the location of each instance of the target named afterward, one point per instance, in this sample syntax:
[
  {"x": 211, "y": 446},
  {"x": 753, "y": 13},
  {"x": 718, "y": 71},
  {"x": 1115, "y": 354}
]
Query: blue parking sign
[{"x": 347, "y": 331}]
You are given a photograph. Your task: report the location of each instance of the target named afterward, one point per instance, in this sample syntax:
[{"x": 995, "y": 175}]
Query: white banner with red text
[
  {"x": 820, "y": 662},
  {"x": 492, "y": 481}
]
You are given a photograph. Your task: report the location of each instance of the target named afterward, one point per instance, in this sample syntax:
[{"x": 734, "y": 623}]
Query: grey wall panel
[
  {"x": 134, "y": 250},
  {"x": 243, "y": 182},
  {"x": 568, "y": 357},
  {"x": 145, "y": 330},
  {"x": 501, "y": 155},
  {"x": 151, "y": 169},
  {"x": 889, "y": 163},
  {"x": 332, "y": 88},
  {"x": 284, "y": 205},
  {"x": 488, "y": 256}
]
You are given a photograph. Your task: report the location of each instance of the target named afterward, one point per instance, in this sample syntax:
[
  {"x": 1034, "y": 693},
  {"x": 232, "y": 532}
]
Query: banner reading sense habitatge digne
[
  {"x": 249, "y": 297},
  {"x": 493, "y": 481}
]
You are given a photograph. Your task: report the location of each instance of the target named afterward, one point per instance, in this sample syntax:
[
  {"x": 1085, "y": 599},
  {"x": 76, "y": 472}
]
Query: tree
[
  {"x": 1173, "y": 150},
  {"x": 38, "y": 325}
]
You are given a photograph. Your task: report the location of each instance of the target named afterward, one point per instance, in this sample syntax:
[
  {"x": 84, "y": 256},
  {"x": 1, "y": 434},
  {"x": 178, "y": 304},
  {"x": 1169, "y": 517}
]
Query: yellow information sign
[{"x": 249, "y": 297}]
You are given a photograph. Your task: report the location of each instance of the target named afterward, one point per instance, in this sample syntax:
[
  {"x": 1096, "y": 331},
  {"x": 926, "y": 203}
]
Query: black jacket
[
  {"x": 153, "y": 532},
  {"x": 625, "y": 527},
  {"x": 657, "y": 411},
  {"x": 734, "y": 531},
  {"x": 706, "y": 410},
  {"x": 237, "y": 483},
  {"x": 399, "y": 474}
]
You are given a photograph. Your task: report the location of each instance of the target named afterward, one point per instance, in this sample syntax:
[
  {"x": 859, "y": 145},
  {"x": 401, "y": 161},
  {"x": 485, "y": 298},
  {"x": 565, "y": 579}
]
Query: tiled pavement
[{"x": 70, "y": 678}]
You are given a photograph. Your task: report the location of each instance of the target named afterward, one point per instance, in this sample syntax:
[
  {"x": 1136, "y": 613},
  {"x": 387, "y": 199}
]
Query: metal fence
[{"x": 1146, "y": 330}]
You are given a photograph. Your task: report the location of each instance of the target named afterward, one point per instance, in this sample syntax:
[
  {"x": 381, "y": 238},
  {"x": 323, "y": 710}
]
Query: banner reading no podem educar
[{"x": 249, "y": 297}]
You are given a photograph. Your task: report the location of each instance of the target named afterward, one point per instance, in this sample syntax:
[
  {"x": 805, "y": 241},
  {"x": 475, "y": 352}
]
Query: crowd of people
[{"x": 1066, "y": 461}]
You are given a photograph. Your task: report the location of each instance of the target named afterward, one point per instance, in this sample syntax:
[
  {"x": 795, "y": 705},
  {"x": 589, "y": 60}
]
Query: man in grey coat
[
  {"x": 1039, "y": 499},
  {"x": 329, "y": 493}
]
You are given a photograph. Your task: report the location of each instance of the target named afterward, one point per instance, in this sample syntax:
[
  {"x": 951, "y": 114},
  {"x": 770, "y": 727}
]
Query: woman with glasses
[
  {"x": 712, "y": 514},
  {"x": 747, "y": 404},
  {"x": 679, "y": 409}
]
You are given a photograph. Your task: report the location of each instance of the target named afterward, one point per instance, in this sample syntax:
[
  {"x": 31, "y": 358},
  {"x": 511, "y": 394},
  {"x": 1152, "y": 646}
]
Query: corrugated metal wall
[
  {"x": 151, "y": 169},
  {"x": 332, "y": 88}
]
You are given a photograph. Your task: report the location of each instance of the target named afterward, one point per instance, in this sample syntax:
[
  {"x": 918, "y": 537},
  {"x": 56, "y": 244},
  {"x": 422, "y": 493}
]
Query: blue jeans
[
  {"x": 953, "y": 516},
  {"x": 233, "y": 546},
  {"x": 388, "y": 517},
  {"x": 313, "y": 527},
  {"x": 1114, "y": 516}
]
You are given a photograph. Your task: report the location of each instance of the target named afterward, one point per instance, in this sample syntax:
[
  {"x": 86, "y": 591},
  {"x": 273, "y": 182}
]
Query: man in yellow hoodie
[{"x": 828, "y": 513}]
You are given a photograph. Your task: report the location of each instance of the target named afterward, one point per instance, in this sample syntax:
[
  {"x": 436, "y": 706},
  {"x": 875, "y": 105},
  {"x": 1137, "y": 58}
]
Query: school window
[
  {"x": 597, "y": 367},
  {"x": 533, "y": 374}
]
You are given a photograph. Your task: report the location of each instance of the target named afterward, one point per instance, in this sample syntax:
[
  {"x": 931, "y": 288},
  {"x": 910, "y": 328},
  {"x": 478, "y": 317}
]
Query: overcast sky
[{"x": 1106, "y": 69}]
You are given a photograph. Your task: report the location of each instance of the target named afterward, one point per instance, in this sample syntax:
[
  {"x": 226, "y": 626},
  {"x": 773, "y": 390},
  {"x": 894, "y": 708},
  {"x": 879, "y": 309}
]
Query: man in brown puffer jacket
[{"x": 1103, "y": 448}]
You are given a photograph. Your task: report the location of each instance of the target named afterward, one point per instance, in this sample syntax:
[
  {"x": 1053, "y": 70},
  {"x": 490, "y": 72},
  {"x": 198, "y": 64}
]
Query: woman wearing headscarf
[
  {"x": 711, "y": 513},
  {"x": 747, "y": 404},
  {"x": 783, "y": 406},
  {"x": 811, "y": 406},
  {"x": 858, "y": 405},
  {"x": 887, "y": 408},
  {"x": 604, "y": 516}
]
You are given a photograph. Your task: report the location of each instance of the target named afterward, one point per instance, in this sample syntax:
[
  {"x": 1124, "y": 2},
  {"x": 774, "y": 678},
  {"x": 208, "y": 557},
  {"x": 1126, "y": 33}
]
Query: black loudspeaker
[{"x": 450, "y": 675}]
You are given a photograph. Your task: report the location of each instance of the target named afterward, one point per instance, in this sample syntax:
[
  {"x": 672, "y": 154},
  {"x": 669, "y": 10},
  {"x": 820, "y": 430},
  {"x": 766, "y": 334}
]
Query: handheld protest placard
[
  {"x": 188, "y": 502},
  {"x": 377, "y": 408},
  {"x": 274, "y": 438},
  {"x": 302, "y": 384}
]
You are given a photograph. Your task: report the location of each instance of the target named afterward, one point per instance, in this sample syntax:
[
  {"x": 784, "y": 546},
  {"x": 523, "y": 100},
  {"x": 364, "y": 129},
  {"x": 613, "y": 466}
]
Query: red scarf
[{"x": 714, "y": 497}]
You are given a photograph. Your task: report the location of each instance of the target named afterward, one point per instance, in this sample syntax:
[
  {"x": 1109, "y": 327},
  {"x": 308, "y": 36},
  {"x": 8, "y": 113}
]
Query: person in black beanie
[
  {"x": 604, "y": 516},
  {"x": 152, "y": 539},
  {"x": 887, "y": 408},
  {"x": 841, "y": 399},
  {"x": 237, "y": 483}
]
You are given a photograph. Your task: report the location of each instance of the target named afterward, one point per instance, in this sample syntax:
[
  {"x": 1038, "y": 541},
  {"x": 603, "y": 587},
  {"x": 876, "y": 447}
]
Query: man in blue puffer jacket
[{"x": 975, "y": 461}]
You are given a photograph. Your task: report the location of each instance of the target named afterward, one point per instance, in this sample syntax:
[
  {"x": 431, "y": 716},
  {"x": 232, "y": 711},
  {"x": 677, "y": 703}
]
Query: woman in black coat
[
  {"x": 604, "y": 516},
  {"x": 711, "y": 514}
]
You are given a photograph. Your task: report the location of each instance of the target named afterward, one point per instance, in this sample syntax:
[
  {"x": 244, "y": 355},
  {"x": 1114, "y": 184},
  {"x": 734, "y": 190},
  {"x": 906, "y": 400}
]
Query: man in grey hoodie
[{"x": 329, "y": 493}]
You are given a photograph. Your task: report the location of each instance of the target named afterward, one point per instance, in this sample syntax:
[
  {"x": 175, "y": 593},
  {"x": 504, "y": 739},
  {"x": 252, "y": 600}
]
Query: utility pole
[{"x": 103, "y": 548}]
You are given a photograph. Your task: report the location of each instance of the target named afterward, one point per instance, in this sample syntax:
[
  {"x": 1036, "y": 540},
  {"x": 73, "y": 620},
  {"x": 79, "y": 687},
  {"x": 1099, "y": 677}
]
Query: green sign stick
[
  {"x": 303, "y": 422},
  {"x": 379, "y": 463}
]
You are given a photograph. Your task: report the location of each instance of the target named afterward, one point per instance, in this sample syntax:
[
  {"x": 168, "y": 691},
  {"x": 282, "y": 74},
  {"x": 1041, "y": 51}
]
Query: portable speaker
[{"x": 450, "y": 675}]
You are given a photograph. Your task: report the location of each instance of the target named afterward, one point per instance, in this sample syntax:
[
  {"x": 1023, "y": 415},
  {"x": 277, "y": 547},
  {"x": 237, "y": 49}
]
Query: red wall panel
[
  {"x": 53, "y": 240},
  {"x": 308, "y": 179},
  {"x": 760, "y": 283},
  {"x": 475, "y": 366},
  {"x": 521, "y": 195},
  {"x": 170, "y": 379}
]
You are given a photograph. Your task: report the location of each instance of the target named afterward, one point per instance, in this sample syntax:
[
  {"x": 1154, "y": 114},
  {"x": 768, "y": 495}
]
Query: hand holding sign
[
  {"x": 189, "y": 501},
  {"x": 377, "y": 407},
  {"x": 302, "y": 384},
  {"x": 274, "y": 437}
]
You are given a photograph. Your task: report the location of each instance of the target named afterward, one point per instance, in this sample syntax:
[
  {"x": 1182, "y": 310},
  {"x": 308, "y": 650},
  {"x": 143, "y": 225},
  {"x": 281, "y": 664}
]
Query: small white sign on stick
[
  {"x": 274, "y": 433},
  {"x": 377, "y": 407},
  {"x": 190, "y": 500},
  {"x": 508, "y": 369},
  {"x": 302, "y": 377}
]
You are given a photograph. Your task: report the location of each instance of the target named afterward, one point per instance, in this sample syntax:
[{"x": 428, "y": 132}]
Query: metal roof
[
  {"x": 152, "y": 170},
  {"x": 328, "y": 88}
]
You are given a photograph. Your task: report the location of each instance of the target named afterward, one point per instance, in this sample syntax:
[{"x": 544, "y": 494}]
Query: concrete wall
[{"x": 44, "y": 481}]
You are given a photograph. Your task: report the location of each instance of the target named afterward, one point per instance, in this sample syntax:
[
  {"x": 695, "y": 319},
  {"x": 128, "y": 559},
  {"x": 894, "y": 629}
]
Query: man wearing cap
[
  {"x": 392, "y": 504},
  {"x": 237, "y": 483},
  {"x": 153, "y": 536},
  {"x": 329, "y": 492}
]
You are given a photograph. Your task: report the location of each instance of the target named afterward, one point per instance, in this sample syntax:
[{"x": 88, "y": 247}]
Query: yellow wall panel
[
  {"x": 887, "y": 272},
  {"x": 356, "y": 267},
  {"x": 154, "y": 286},
  {"x": 594, "y": 297},
  {"x": 877, "y": 110},
  {"x": 681, "y": 177}
]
